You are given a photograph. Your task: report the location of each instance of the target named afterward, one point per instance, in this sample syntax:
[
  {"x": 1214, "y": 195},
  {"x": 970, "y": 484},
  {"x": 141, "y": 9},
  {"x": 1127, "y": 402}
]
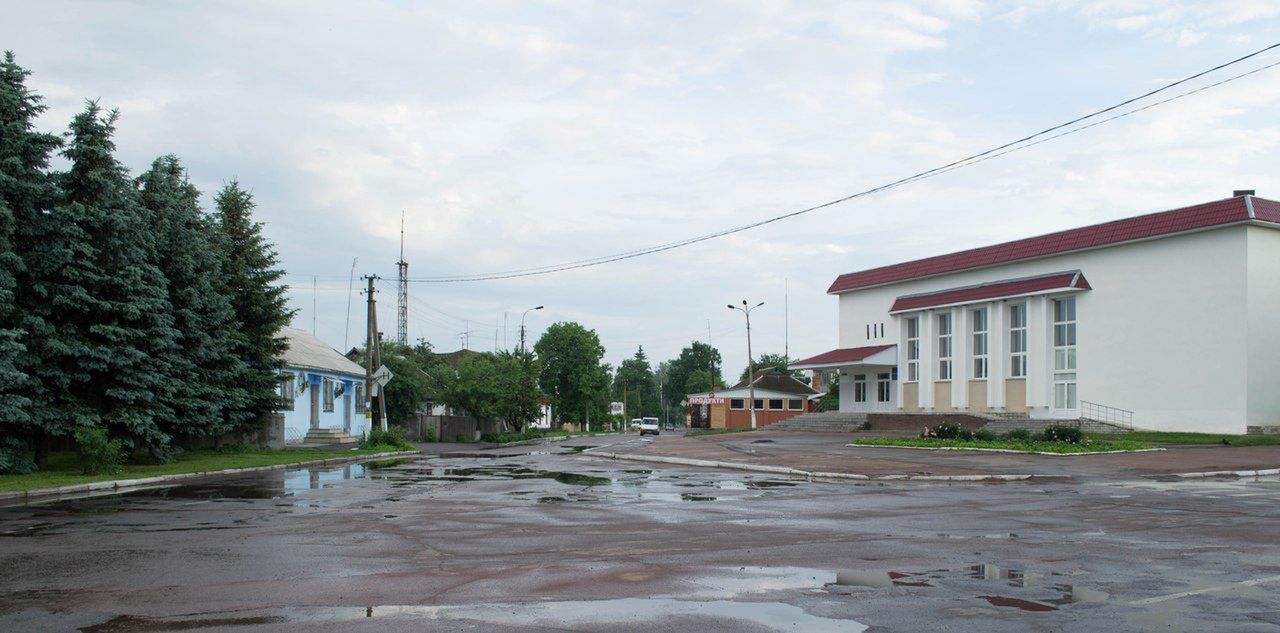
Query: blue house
[{"x": 324, "y": 392}]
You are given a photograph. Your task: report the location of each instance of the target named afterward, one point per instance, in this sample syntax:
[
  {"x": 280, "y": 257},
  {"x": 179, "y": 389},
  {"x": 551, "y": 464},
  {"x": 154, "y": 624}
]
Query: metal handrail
[{"x": 1106, "y": 414}]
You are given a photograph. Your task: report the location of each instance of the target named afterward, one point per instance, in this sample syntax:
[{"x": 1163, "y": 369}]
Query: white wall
[
  {"x": 1163, "y": 333},
  {"x": 297, "y": 421},
  {"x": 1264, "y": 327}
]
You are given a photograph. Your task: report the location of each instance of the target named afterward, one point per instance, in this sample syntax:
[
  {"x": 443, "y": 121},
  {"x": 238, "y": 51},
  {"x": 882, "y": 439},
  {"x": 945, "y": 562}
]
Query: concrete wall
[{"x": 1167, "y": 332}]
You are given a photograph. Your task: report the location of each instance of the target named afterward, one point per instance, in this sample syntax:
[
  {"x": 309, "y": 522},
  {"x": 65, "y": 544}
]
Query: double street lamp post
[{"x": 751, "y": 383}]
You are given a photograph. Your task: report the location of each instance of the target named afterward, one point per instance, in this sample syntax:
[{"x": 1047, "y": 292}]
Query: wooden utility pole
[{"x": 371, "y": 329}]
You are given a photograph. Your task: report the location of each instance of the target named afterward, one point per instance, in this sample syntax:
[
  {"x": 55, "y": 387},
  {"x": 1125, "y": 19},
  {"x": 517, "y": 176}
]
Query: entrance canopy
[{"x": 882, "y": 355}]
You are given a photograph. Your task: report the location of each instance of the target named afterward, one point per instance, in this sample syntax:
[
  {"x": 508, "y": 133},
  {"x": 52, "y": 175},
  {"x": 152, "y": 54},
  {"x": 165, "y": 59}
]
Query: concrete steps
[
  {"x": 329, "y": 436},
  {"x": 823, "y": 422}
]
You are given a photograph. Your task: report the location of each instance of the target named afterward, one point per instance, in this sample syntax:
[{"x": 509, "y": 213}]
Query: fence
[
  {"x": 1105, "y": 414},
  {"x": 449, "y": 428}
]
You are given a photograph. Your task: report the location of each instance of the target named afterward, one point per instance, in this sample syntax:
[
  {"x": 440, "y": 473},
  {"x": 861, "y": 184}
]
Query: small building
[
  {"x": 323, "y": 389},
  {"x": 1164, "y": 321},
  {"x": 778, "y": 396}
]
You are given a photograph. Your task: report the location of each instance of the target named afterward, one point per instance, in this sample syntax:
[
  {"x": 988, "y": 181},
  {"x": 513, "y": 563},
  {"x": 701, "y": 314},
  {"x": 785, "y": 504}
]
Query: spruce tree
[
  {"x": 204, "y": 362},
  {"x": 258, "y": 299},
  {"x": 26, "y": 191},
  {"x": 101, "y": 354}
]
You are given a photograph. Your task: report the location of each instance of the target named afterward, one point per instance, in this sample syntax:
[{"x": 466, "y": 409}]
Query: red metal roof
[
  {"x": 846, "y": 355},
  {"x": 994, "y": 290},
  {"x": 1151, "y": 225}
]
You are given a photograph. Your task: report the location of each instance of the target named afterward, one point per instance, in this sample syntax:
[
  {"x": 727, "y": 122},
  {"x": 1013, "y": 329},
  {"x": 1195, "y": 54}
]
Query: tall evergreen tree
[
  {"x": 103, "y": 334},
  {"x": 258, "y": 301},
  {"x": 26, "y": 191},
  {"x": 204, "y": 362}
]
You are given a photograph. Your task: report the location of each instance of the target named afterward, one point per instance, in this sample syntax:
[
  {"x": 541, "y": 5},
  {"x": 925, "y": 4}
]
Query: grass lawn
[
  {"x": 1160, "y": 437},
  {"x": 1094, "y": 446},
  {"x": 697, "y": 432},
  {"x": 64, "y": 470}
]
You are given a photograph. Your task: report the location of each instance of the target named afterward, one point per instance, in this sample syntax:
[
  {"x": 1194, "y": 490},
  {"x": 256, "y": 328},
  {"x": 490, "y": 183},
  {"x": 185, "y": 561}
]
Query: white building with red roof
[{"x": 1166, "y": 321}]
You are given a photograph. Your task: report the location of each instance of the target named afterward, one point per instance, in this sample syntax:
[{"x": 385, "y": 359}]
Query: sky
[{"x": 521, "y": 134}]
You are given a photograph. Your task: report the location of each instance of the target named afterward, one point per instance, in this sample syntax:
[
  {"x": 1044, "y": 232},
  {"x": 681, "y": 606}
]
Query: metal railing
[{"x": 1108, "y": 415}]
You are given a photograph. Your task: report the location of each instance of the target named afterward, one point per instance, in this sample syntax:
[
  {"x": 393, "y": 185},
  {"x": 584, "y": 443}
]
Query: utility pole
[
  {"x": 751, "y": 370},
  {"x": 370, "y": 330},
  {"x": 351, "y": 283},
  {"x": 786, "y": 324},
  {"x": 402, "y": 292}
]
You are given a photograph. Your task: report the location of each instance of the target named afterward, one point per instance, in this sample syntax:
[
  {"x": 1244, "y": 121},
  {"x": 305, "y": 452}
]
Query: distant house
[
  {"x": 323, "y": 389},
  {"x": 778, "y": 396}
]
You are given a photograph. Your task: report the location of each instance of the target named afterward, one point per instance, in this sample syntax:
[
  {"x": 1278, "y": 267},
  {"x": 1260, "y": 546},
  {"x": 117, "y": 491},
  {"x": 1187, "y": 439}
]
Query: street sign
[
  {"x": 706, "y": 400},
  {"x": 382, "y": 376},
  {"x": 615, "y": 408}
]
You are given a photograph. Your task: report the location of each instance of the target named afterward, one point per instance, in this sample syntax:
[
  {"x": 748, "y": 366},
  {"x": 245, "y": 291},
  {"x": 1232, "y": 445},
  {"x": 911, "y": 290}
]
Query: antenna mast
[{"x": 402, "y": 292}]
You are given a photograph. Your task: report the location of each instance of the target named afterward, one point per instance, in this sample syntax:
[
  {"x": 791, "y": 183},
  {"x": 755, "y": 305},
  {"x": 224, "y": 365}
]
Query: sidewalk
[{"x": 828, "y": 453}]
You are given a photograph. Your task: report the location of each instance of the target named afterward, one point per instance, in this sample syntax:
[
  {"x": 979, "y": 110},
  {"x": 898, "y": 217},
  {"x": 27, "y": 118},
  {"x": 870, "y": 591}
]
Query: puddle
[
  {"x": 1018, "y": 603},
  {"x": 579, "y": 449},
  {"x": 387, "y": 463},
  {"x": 584, "y": 614},
  {"x": 688, "y": 496}
]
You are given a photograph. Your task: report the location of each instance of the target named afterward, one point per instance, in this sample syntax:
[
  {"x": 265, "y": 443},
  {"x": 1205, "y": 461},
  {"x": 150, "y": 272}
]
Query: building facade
[
  {"x": 322, "y": 388},
  {"x": 778, "y": 396},
  {"x": 1167, "y": 321}
]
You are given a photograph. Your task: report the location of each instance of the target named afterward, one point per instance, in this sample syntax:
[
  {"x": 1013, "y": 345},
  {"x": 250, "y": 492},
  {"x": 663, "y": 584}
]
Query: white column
[
  {"x": 928, "y": 358},
  {"x": 902, "y": 360},
  {"x": 997, "y": 353},
  {"x": 961, "y": 364},
  {"x": 1039, "y": 354}
]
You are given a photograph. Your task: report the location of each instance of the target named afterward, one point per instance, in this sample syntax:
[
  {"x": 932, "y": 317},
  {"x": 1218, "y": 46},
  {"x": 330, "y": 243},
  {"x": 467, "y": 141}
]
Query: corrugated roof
[
  {"x": 1164, "y": 223},
  {"x": 1070, "y": 280},
  {"x": 843, "y": 355},
  {"x": 773, "y": 379},
  {"x": 308, "y": 352}
]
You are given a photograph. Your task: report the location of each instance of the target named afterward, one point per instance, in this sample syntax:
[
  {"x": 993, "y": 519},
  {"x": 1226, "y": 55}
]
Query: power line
[{"x": 1000, "y": 150}]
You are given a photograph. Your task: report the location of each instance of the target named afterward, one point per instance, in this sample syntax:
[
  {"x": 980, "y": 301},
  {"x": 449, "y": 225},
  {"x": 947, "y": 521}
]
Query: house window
[
  {"x": 882, "y": 387},
  {"x": 1018, "y": 340},
  {"x": 868, "y": 330},
  {"x": 359, "y": 397},
  {"x": 737, "y": 404},
  {"x": 979, "y": 330},
  {"x": 795, "y": 404},
  {"x": 1064, "y": 353},
  {"x": 860, "y": 388},
  {"x": 775, "y": 404},
  {"x": 286, "y": 392},
  {"x": 327, "y": 394},
  {"x": 882, "y": 329},
  {"x": 944, "y": 346},
  {"x": 757, "y": 404},
  {"x": 913, "y": 349}
]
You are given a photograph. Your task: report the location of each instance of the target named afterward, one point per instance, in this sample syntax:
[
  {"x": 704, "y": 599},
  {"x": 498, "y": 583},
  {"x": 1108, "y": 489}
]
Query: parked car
[
  {"x": 635, "y": 423},
  {"x": 648, "y": 426}
]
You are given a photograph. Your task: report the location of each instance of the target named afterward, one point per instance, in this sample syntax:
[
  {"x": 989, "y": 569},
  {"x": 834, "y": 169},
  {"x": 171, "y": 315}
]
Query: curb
[
  {"x": 1004, "y": 450},
  {"x": 782, "y": 470},
  {"x": 125, "y": 484},
  {"x": 1229, "y": 473}
]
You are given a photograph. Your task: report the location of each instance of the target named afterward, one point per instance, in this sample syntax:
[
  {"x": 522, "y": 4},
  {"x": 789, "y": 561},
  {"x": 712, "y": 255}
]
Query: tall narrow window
[
  {"x": 1018, "y": 340},
  {"x": 327, "y": 385},
  {"x": 286, "y": 391},
  {"x": 913, "y": 349},
  {"x": 860, "y": 388},
  {"x": 882, "y": 387},
  {"x": 978, "y": 326},
  {"x": 1064, "y": 353},
  {"x": 944, "y": 346},
  {"x": 359, "y": 397}
]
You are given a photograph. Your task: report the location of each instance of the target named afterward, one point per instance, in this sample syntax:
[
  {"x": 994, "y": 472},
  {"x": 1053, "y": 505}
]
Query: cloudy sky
[{"x": 519, "y": 134}]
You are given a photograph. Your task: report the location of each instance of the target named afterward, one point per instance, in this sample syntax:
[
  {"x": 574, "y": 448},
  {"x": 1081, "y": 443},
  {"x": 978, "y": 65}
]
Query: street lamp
[
  {"x": 751, "y": 383},
  {"x": 522, "y": 316}
]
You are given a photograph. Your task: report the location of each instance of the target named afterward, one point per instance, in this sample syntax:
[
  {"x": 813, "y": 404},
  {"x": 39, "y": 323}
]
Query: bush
[
  {"x": 390, "y": 439},
  {"x": 952, "y": 431},
  {"x": 1063, "y": 433},
  {"x": 983, "y": 435},
  {"x": 503, "y": 438},
  {"x": 1018, "y": 435},
  {"x": 98, "y": 453},
  {"x": 429, "y": 435}
]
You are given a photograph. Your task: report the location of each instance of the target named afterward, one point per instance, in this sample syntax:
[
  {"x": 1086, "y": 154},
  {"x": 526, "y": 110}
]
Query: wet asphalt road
[{"x": 545, "y": 539}]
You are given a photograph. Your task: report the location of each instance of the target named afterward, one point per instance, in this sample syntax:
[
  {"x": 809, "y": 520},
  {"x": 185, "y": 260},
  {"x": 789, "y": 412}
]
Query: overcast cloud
[{"x": 517, "y": 134}]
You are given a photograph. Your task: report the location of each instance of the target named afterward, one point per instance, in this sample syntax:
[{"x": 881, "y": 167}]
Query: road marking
[{"x": 1195, "y": 592}]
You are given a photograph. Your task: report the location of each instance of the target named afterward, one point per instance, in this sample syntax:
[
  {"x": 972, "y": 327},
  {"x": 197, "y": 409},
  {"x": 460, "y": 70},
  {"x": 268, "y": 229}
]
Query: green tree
[
  {"x": 635, "y": 381},
  {"x": 414, "y": 380},
  {"x": 26, "y": 191},
  {"x": 502, "y": 386},
  {"x": 258, "y": 301},
  {"x": 698, "y": 359},
  {"x": 777, "y": 361},
  {"x": 204, "y": 361},
  {"x": 572, "y": 376},
  {"x": 102, "y": 330}
]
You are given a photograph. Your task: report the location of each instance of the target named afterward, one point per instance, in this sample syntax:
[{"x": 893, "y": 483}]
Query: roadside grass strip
[
  {"x": 1168, "y": 437},
  {"x": 1058, "y": 449}
]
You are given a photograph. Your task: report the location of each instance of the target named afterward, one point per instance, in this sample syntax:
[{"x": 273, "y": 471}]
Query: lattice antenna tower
[{"x": 402, "y": 292}]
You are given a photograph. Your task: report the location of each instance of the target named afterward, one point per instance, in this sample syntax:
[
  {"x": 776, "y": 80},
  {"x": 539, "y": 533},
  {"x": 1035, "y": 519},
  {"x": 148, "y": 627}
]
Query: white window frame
[
  {"x": 884, "y": 387},
  {"x": 742, "y": 404},
  {"x": 944, "y": 322},
  {"x": 1017, "y": 340},
  {"x": 978, "y": 325},
  {"x": 782, "y": 404},
  {"x": 859, "y": 387},
  {"x": 913, "y": 349},
  {"x": 1065, "y": 394},
  {"x": 795, "y": 404}
]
